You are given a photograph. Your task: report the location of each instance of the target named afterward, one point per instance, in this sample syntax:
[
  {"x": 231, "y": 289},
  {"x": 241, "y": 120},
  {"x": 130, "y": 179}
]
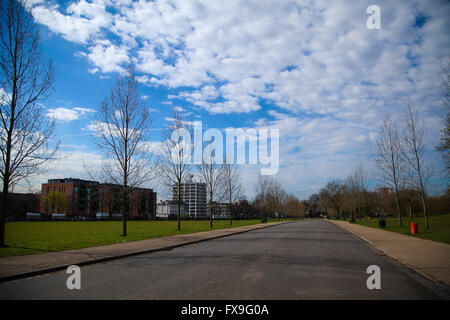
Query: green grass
[
  {"x": 439, "y": 227},
  {"x": 37, "y": 237}
]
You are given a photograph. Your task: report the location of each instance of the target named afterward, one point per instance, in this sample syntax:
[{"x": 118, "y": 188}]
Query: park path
[
  {"x": 16, "y": 267},
  {"x": 431, "y": 258}
]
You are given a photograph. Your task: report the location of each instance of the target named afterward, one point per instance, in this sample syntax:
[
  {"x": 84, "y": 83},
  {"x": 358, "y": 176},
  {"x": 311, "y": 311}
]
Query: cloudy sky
[{"x": 310, "y": 68}]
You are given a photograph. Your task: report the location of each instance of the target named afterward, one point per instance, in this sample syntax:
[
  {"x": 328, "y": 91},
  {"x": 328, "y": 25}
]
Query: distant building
[
  {"x": 78, "y": 194},
  {"x": 19, "y": 204},
  {"x": 169, "y": 208},
  {"x": 194, "y": 195},
  {"x": 220, "y": 210},
  {"x": 87, "y": 198}
]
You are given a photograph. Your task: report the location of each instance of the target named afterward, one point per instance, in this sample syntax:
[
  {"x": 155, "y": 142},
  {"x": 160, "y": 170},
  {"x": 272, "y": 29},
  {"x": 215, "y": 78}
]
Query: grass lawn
[
  {"x": 439, "y": 227},
  {"x": 37, "y": 237}
]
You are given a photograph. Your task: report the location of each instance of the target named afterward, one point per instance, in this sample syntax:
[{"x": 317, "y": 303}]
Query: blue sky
[{"x": 309, "y": 68}]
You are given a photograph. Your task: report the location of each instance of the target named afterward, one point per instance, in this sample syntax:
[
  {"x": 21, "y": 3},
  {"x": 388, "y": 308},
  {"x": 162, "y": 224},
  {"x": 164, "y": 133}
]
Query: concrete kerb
[{"x": 134, "y": 253}]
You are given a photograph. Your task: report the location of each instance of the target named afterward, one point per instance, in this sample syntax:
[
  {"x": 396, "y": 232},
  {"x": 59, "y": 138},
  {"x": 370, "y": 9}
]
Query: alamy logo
[
  {"x": 73, "y": 281},
  {"x": 252, "y": 146},
  {"x": 374, "y": 20},
  {"x": 374, "y": 280}
]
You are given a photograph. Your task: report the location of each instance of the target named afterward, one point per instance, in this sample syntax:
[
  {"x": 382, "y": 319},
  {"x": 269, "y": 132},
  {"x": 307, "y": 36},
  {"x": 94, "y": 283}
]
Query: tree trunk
[
  {"x": 422, "y": 194},
  {"x": 4, "y": 206},
  {"x": 179, "y": 206},
  {"x": 398, "y": 206},
  {"x": 6, "y": 181},
  {"x": 124, "y": 214},
  {"x": 210, "y": 211},
  {"x": 427, "y": 223}
]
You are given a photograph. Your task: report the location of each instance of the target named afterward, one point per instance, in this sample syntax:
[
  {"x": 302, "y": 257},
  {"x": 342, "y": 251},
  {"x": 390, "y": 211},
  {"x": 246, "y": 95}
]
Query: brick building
[
  {"x": 20, "y": 203},
  {"x": 86, "y": 198}
]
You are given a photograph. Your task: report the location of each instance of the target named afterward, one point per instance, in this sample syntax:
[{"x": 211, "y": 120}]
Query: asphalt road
[{"x": 310, "y": 259}]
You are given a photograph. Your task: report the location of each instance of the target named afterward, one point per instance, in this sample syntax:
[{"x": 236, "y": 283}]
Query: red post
[{"x": 414, "y": 228}]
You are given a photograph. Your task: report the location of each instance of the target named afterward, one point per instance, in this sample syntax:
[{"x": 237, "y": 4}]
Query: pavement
[
  {"x": 16, "y": 267},
  {"x": 310, "y": 259},
  {"x": 431, "y": 258}
]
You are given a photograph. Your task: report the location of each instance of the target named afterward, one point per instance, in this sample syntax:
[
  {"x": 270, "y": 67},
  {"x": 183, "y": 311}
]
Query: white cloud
[
  {"x": 107, "y": 57},
  {"x": 81, "y": 21},
  {"x": 312, "y": 56},
  {"x": 66, "y": 114}
]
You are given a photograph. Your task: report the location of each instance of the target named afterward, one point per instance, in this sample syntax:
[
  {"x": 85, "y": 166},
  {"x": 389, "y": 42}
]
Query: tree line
[{"x": 403, "y": 174}]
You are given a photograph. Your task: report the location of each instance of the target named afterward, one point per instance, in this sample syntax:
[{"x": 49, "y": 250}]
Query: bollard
[{"x": 414, "y": 228}]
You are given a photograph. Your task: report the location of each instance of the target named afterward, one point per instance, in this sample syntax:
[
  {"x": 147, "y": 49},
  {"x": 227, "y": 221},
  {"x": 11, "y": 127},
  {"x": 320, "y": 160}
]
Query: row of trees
[
  {"x": 273, "y": 201},
  {"x": 399, "y": 158},
  {"x": 335, "y": 199}
]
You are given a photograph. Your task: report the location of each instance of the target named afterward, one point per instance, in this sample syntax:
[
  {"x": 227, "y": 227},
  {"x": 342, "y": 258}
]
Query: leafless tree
[
  {"x": 174, "y": 161},
  {"x": 262, "y": 190},
  {"x": 294, "y": 207},
  {"x": 121, "y": 132},
  {"x": 25, "y": 81},
  {"x": 413, "y": 153},
  {"x": 232, "y": 187},
  {"x": 211, "y": 171},
  {"x": 276, "y": 198},
  {"x": 271, "y": 198},
  {"x": 388, "y": 157},
  {"x": 333, "y": 193},
  {"x": 444, "y": 145},
  {"x": 355, "y": 187}
]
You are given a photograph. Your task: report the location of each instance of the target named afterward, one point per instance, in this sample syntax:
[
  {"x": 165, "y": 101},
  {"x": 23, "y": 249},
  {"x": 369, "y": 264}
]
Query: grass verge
[
  {"x": 439, "y": 227},
  {"x": 37, "y": 237}
]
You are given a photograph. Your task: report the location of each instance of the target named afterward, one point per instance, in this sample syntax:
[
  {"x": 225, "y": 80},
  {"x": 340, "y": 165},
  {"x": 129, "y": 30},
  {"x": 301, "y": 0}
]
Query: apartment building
[
  {"x": 86, "y": 198},
  {"x": 194, "y": 195},
  {"x": 169, "y": 209}
]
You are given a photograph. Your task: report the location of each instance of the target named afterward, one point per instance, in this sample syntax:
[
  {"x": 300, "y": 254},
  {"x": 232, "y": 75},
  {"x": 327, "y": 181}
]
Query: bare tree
[
  {"x": 276, "y": 198},
  {"x": 355, "y": 187},
  {"x": 174, "y": 160},
  {"x": 314, "y": 204},
  {"x": 261, "y": 189},
  {"x": 333, "y": 193},
  {"x": 121, "y": 131},
  {"x": 294, "y": 207},
  {"x": 25, "y": 80},
  {"x": 232, "y": 186},
  {"x": 412, "y": 151},
  {"x": 444, "y": 145},
  {"x": 212, "y": 173},
  {"x": 388, "y": 157},
  {"x": 271, "y": 198}
]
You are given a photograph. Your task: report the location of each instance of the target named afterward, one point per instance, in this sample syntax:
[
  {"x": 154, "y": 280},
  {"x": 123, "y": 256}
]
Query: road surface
[{"x": 311, "y": 259}]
